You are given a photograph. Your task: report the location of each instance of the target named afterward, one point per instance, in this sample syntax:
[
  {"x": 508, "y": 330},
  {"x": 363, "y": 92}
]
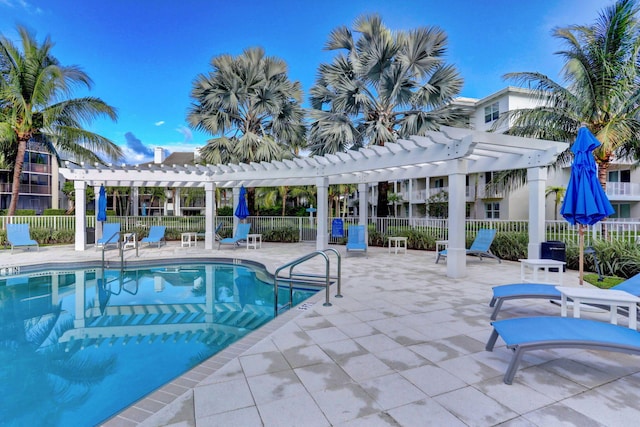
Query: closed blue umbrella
[
  {"x": 102, "y": 204},
  {"x": 242, "y": 211},
  {"x": 585, "y": 202}
]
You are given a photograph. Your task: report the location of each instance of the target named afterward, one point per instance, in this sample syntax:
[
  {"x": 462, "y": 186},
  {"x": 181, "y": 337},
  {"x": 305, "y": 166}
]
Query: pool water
[{"x": 78, "y": 346}]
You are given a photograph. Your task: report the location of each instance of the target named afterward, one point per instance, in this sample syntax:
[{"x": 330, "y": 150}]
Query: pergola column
[
  {"x": 322, "y": 237},
  {"x": 537, "y": 181},
  {"x": 135, "y": 200},
  {"x": 456, "y": 251},
  {"x": 363, "y": 211},
  {"x": 209, "y": 213},
  {"x": 81, "y": 210},
  {"x": 236, "y": 200}
]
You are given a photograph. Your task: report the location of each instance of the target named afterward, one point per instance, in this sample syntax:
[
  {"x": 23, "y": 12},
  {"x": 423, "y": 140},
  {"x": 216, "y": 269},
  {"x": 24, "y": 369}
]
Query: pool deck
[{"x": 404, "y": 346}]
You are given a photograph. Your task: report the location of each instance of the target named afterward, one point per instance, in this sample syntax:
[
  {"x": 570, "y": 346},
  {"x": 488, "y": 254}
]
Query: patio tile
[
  {"x": 304, "y": 356},
  {"x": 377, "y": 343},
  {"x": 468, "y": 369},
  {"x": 293, "y": 411},
  {"x": 401, "y": 359},
  {"x": 392, "y": 390},
  {"x": 284, "y": 341},
  {"x": 222, "y": 397},
  {"x": 239, "y": 417},
  {"x": 355, "y": 330},
  {"x": 365, "y": 366},
  {"x": 559, "y": 414},
  {"x": 433, "y": 380},
  {"x": 322, "y": 376},
  {"x": 339, "y": 350},
  {"x": 415, "y": 414},
  {"x": 278, "y": 385},
  {"x": 475, "y": 408},
  {"x": 263, "y": 363},
  {"x": 379, "y": 419},
  {"x": 517, "y": 397},
  {"x": 340, "y": 404},
  {"x": 325, "y": 335}
]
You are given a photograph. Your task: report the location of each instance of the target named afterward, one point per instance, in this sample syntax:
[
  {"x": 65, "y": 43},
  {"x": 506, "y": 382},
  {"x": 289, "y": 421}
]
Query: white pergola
[{"x": 451, "y": 152}]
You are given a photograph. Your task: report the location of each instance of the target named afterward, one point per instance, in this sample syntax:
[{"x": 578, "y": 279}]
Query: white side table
[
  {"x": 398, "y": 243},
  {"x": 612, "y": 298},
  {"x": 129, "y": 240},
  {"x": 535, "y": 265},
  {"x": 189, "y": 239},
  {"x": 254, "y": 241}
]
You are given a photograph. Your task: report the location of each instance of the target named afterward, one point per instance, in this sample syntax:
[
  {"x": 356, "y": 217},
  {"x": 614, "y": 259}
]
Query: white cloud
[{"x": 160, "y": 123}]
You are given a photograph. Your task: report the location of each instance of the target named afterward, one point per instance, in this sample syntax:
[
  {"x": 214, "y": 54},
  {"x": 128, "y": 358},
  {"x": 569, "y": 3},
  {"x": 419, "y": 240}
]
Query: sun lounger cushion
[{"x": 538, "y": 333}]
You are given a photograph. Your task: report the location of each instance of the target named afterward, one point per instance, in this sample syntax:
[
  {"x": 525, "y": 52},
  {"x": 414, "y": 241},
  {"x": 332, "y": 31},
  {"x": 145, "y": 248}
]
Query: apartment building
[{"x": 39, "y": 181}]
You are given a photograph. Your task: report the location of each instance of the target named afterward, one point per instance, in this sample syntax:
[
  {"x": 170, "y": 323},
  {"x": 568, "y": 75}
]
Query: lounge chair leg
[
  {"x": 497, "y": 308},
  {"x": 513, "y": 366},
  {"x": 492, "y": 340},
  {"x": 492, "y": 302}
]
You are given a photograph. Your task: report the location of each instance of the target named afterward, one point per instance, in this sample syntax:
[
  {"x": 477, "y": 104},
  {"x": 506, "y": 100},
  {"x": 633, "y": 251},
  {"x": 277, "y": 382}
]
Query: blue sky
[{"x": 143, "y": 55}]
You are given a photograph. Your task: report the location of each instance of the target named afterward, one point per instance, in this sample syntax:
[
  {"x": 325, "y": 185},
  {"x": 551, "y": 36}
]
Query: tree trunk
[
  {"x": 15, "y": 186},
  {"x": 251, "y": 200},
  {"x": 383, "y": 200},
  {"x": 603, "y": 171}
]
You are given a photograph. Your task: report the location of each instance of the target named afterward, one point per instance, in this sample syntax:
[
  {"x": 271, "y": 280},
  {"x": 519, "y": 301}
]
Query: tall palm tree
[
  {"x": 381, "y": 86},
  {"x": 558, "y": 193},
  {"x": 250, "y": 107},
  {"x": 602, "y": 88},
  {"x": 35, "y": 104}
]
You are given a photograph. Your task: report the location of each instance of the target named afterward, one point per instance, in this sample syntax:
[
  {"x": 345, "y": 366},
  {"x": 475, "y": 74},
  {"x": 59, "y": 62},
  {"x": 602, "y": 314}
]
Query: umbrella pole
[{"x": 581, "y": 245}]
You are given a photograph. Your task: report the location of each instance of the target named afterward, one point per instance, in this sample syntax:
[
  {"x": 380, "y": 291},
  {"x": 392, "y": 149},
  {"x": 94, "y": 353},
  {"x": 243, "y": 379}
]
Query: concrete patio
[{"x": 404, "y": 346}]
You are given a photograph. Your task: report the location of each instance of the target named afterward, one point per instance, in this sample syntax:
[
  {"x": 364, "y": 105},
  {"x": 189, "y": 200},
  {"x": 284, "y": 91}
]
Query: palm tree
[
  {"x": 559, "y": 194},
  {"x": 35, "y": 104},
  {"x": 250, "y": 107},
  {"x": 602, "y": 88},
  {"x": 382, "y": 86}
]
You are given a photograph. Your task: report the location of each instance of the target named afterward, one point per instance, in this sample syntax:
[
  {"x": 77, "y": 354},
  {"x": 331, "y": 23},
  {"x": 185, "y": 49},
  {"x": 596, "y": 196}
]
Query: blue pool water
[{"x": 78, "y": 346}]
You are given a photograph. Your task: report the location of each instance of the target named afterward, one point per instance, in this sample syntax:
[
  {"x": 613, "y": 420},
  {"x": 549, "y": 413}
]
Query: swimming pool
[{"x": 79, "y": 345}]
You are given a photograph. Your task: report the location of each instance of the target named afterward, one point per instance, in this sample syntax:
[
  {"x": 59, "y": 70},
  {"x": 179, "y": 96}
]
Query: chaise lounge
[
  {"x": 110, "y": 235},
  {"x": 480, "y": 247},
  {"x": 242, "y": 234},
  {"x": 541, "y": 333},
  {"x": 19, "y": 235},
  {"x": 156, "y": 235},
  {"x": 356, "y": 239},
  {"x": 537, "y": 290}
]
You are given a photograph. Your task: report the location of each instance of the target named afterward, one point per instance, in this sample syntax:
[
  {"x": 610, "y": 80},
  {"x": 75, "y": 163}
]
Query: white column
[
  {"x": 79, "y": 321},
  {"x": 363, "y": 211},
  {"x": 236, "y": 200},
  {"x": 177, "y": 204},
  {"x": 537, "y": 181},
  {"x": 411, "y": 198},
  {"x": 209, "y": 213},
  {"x": 96, "y": 198},
  {"x": 81, "y": 211},
  {"x": 135, "y": 201},
  {"x": 456, "y": 251},
  {"x": 322, "y": 237}
]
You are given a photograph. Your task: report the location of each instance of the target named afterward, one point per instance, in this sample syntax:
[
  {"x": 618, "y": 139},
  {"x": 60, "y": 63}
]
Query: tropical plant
[
  {"x": 601, "y": 91},
  {"x": 69, "y": 190},
  {"x": 558, "y": 193},
  {"x": 250, "y": 107},
  {"x": 382, "y": 86},
  {"x": 35, "y": 105}
]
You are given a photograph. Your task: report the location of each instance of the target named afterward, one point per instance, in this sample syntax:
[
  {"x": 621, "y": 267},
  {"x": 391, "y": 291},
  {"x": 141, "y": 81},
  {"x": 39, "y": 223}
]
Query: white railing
[
  {"x": 623, "y": 189},
  {"x": 622, "y": 229}
]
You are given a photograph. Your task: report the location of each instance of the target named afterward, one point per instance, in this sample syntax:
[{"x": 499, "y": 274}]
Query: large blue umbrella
[
  {"x": 102, "y": 204},
  {"x": 585, "y": 202},
  {"x": 242, "y": 211}
]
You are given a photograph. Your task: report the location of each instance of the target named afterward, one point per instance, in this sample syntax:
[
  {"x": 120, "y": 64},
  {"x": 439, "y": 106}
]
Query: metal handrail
[{"x": 292, "y": 276}]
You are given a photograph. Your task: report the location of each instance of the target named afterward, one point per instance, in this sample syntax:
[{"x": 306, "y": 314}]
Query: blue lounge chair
[
  {"x": 110, "y": 235},
  {"x": 242, "y": 233},
  {"x": 538, "y": 333},
  {"x": 356, "y": 238},
  {"x": 480, "y": 247},
  {"x": 536, "y": 290},
  {"x": 216, "y": 233},
  {"x": 19, "y": 235},
  {"x": 156, "y": 235}
]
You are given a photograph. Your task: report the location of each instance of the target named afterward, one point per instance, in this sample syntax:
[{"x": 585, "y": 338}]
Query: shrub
[
  {"x": 510, "y": 246},
  {"x": 54, "y": 212},
  {"x": 284, "y": 235}
]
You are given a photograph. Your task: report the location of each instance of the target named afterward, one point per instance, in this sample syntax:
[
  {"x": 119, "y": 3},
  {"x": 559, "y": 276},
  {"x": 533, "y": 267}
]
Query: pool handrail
[{"x": 291, "y": 278}]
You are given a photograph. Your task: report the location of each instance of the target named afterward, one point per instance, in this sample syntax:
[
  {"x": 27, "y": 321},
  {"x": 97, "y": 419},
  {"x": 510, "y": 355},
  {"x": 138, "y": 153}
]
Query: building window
[
  {"x": 492, "y": 210},
  {"x": 491, "y": 113},
  {"x": 438, "y": 183},
  {"x": 619, "y": 176},
  {"x": 622, "y": 210}
]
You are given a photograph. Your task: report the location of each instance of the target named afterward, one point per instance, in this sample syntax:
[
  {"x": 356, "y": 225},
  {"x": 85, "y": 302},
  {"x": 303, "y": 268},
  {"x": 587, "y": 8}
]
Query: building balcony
[
  {"x": 27, "y": 189},
  {"x": 623, "y": 191}
]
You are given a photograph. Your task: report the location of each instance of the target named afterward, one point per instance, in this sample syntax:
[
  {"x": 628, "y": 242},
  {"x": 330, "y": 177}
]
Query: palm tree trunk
[
  {"x": 17, "y": 171},
  {"x": 603, "y": 172},
  {"x": 383, "y": 200}
]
